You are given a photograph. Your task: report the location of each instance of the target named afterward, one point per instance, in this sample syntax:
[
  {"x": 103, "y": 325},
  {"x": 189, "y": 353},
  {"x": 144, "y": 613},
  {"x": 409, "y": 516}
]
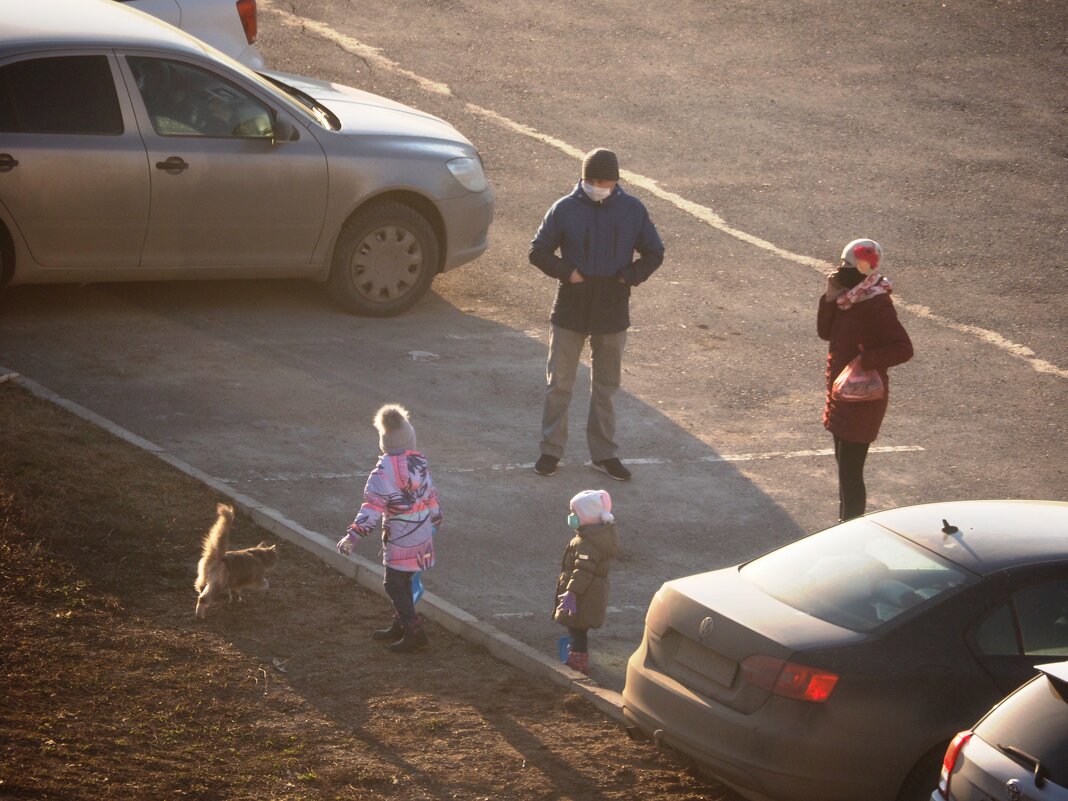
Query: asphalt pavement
[{"x": 762, "y": 137}]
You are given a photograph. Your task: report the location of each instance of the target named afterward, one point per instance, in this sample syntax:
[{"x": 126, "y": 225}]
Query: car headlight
[{"x": 468, "y": 171}]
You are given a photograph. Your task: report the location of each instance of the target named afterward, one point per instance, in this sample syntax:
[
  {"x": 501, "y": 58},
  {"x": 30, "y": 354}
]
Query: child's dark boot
[
  {"x": 392, "y": 634},
  {"x": 414, "y": 639}
]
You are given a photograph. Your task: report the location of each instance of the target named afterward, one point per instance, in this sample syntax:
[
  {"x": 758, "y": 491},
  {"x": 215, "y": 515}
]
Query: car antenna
[{"x": 947, "y": 529}]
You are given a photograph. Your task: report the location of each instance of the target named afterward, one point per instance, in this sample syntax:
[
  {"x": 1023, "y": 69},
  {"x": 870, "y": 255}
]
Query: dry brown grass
[{"x": 111, "y": 689}]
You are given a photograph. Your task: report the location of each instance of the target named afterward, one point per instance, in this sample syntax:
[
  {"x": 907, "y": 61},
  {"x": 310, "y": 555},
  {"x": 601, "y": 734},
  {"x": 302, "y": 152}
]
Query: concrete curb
[{"x": 366, "y": 573}]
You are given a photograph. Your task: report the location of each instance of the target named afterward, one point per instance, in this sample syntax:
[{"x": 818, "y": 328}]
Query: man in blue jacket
[{"x": 597, "y": 229}]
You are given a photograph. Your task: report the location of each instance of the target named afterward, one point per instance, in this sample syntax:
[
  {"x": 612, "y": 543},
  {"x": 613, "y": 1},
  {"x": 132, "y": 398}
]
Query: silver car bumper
[{"x": 467, "y": 220}]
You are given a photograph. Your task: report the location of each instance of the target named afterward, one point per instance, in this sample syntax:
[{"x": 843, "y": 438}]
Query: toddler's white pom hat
[
  {"x": 394, "y": 431},
  {"x": 592, "y": 507}
]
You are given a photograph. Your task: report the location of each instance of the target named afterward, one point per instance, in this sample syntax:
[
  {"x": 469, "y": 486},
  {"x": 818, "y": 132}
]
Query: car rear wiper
[{"x": 1021, "y": 757}]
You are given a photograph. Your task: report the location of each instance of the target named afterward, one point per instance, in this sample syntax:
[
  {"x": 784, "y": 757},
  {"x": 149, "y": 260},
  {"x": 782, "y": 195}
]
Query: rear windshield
[
  {"x": 1033, "y": 720},
  {"x": 856, "y": 575}
]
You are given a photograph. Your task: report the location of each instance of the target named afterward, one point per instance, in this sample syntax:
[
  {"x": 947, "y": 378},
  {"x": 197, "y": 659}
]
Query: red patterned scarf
[{"x": 873, "y": 285}]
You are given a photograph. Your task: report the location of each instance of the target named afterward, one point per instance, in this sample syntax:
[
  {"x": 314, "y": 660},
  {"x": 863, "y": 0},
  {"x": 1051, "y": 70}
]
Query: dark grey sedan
[
  {"x": 838, "y": 668},
  {"x": 132, "y": 151}
]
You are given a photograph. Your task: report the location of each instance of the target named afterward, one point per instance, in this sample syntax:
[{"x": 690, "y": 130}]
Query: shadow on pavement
[{"x": 269, "y": 386}]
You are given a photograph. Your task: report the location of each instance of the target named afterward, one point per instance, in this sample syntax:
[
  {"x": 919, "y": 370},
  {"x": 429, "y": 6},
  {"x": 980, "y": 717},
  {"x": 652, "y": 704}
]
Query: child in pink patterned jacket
[{"x": 401, "y": 496}]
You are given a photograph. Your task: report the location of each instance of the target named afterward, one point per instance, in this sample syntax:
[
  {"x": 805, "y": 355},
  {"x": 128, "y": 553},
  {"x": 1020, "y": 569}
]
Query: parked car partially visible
[
  {"x": 840, "y": 666},
  {"x": 131, "y": 151},
  {"x": 227, "y": 25},
  {"x": 1018, "y": 751}
]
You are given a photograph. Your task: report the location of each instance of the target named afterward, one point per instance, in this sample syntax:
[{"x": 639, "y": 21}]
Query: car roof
[
  {"x": 989, "y": 536},
  {"x": 75, "y": 24}
]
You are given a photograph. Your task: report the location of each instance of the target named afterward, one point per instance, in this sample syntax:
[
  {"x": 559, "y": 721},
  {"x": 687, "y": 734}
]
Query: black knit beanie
[{"x": 600, "y": 165}]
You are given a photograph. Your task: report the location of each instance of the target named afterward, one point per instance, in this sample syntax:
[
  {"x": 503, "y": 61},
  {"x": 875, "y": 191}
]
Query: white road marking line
[
  {"x": 373, "y": 56},
  {"x": 497, "y": 335},
  {"x": 754, "y": 457},
  {"x": 718, "y": 458},
  {"x": 652, "y": 460},
  {"x": 988, "y": 336}
]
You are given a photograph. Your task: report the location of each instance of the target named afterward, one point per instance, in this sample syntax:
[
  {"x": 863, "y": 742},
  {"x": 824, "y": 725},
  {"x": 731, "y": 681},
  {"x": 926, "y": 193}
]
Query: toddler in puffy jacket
[{"x": 582, "y": 588}]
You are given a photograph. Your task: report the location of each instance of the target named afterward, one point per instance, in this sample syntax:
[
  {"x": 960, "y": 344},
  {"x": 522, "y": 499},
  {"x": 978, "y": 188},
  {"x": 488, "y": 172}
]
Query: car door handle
[
  {"x": 173, "y": 164},
  {"x": 7, "y": 162}
]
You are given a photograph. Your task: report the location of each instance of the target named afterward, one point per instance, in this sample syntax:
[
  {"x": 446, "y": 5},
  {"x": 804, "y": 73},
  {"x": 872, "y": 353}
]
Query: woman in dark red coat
[{"x": 856, "y": 316}]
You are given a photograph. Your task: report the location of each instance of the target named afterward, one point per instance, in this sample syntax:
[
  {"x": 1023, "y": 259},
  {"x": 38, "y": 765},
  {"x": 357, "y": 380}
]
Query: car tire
[
  {"x": 384, "y": 261},
  {"x": 7, "y": 256},
  {"x": 923, "y": 778}
]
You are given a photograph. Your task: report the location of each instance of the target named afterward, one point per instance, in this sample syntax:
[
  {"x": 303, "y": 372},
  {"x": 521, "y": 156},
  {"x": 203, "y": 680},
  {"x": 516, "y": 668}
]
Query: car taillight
[
  {"x": 789, "y": 679},
  {"x": 246, "y": 9},
  {"x": 950, "y": 761}
]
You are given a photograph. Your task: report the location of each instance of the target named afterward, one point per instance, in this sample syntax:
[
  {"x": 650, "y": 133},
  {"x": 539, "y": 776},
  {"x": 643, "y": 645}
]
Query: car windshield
[{"x": 856, "y": 575}]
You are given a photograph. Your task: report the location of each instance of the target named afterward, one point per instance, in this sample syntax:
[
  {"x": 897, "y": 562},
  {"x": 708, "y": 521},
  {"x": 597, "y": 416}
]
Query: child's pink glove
[
  {"x": 568, "y": 603},
  {"x": 348, "y": 542}
]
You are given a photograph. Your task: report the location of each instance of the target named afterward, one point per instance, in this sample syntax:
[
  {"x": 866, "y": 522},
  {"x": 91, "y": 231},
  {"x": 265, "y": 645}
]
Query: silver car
[
  {"x": 131, "y": 151},
  {"x": 1019, "y": 750},
  {"x": 227, "y": 25}
]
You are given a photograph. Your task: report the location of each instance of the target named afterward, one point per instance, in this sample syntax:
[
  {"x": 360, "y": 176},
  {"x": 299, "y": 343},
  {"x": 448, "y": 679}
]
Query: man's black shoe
[
  {"x": 546, "y": 465},
  {"x": 613, "y": 467}
]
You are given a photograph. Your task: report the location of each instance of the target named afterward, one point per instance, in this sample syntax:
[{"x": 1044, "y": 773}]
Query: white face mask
[{"x": 595, "y": 193}]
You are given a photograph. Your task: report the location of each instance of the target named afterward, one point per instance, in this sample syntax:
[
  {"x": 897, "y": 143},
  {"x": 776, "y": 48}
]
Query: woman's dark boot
[
  {"x": 392, "y": 634},
  {"x": 414, "y": 639}
]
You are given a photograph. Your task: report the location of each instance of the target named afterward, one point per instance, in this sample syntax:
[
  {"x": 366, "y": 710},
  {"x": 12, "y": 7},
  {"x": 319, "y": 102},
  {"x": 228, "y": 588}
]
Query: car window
[
  {"x": 1034, "y": 621},
  {"x": 855, "y": 576},
  {"x": 183, "y": 100},
  {"x": 61, "y": 95},
  {"x": 996, "y": 636},
  {"x": 1033, "y": 720},
  {"x": 1043, "y": 614}
]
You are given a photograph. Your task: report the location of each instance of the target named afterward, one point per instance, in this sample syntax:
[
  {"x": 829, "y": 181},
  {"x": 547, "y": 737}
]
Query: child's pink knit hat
[{"x": 592, "y": 507}]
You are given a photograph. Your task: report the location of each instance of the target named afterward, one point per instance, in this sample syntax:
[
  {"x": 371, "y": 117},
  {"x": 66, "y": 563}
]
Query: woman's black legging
[{"x": 852, "y": 496}]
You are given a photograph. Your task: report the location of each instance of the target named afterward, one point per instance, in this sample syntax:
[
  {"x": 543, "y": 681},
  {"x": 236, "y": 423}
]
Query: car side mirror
[{"x": 284, "y": 131}]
